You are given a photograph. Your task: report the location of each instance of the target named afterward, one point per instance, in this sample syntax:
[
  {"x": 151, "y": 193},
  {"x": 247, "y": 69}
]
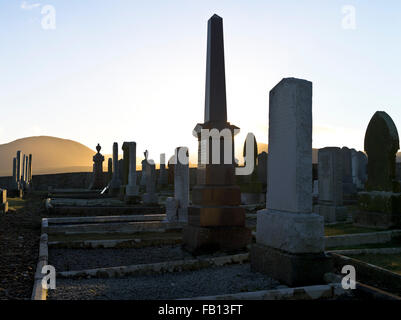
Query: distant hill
[{"x": 49, "y": 155}]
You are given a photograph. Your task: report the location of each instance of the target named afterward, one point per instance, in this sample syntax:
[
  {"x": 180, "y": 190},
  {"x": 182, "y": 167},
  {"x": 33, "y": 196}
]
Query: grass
[
  {"x": 346, "y": 228},
  {"x": 16, "y": 203},
  {"x": 391, "y": 262},
  {"x": 395, "y": 243}
]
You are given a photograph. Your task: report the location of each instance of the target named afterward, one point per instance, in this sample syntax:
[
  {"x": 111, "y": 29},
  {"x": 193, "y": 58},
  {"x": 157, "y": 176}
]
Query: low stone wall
[{"x": 73, "y": 180}]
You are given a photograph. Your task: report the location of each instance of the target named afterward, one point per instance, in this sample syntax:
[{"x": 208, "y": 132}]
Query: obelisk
[
  {"x": 215, "y": 219},
  {"x": 115, "y": 183}
]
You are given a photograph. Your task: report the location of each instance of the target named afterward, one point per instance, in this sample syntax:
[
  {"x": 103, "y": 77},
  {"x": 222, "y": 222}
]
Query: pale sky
[{"x": 135, "y": 70}]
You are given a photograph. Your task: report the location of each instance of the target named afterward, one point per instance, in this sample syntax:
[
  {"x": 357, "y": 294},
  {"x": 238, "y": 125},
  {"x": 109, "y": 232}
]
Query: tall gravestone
[
  {"x": 132, "y": 189},
  {"x": 30, "y": 170},
  {"x": 14, "y": 182},
  {"x": 97, "y": 178},
  {"x": 109, "y": 170},
  {"x": 144, "y": 163},
  {"x": 330, "y": 199},
  {"x": 19, "y": 173},
  {"x": 115, "y": 183},
  {"x": 349, "y": 188},
  {"x": 289, "y": 237},
  {"x": 251, "y": 189},
  {"x": 181, "y": 183},
  {"x": 379, "y": 206},
  {"x": 3, "y": 201},
  {"x": 126, "y": 166},
  {"x": 163, "y": 181},
  {"x": 362, "y": 168},
  {"x": 170, "y": 174},
  {"x": 23, "y": 172},
  {"x": 150, "y": 197},
  {"x": 215, "y": 218},
  {"x": 262, "y": 172}
]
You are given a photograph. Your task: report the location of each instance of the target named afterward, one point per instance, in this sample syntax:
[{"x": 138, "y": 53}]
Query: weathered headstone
[
  {"x": 380, "y": 205},
  {"x": 181, "y": 182},
  {"x": 126, "y": 167},
  {"x": 215, "y": 218},
  {"x": 349, "y": 188},
  {"x": 150, "y": 197},
  {"x": 251, "y": 189},
  {"x": 30, "y": 170},
  {"x": 171, "y": 209},
  {"x": 132, "y": 189},
  {"x": 171, "y": 165},
  {"x": 330, "y": 200},
  {"x": 163, "y": 181},
  {"x": 144, "y": 164},
  {"x": 289, "y": 237},
  {"x": 362, "y": 168},
  {"x": 23, "y": 172},
  {"x": 14, "y": 182},
  {"x": 115, "y": 183},
  {"x": 97, "y": 178},
  {"x": 19, "y": 167},
  {"x": 3, "y": 201},
  {"x": 109, "y": 170}
]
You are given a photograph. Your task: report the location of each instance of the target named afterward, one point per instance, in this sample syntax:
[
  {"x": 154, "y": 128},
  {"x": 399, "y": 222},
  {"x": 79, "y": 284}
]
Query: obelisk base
[{"x": 199, "y": 240}]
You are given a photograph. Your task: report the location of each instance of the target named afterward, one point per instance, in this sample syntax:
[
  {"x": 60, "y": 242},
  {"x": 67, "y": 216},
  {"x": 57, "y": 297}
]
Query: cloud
[{"x": 27, "y": 6}]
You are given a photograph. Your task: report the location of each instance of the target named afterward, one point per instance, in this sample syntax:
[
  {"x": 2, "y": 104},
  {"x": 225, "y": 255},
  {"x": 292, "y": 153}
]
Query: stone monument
[
  {"x": 330, "y": 199},
  {"x": 163, "y": 180},
  {"x": 150, "y": 197},
  {"x": 181, "y": 182},
  {"x": 115, "y": 183},
  {"x": 132, "y": 189},
  {"x": 289, "y": 237},
  {"x": 379, "y": 206},
  {"x": 98, "y": 179},
  {"x": 215, "y": 219}
]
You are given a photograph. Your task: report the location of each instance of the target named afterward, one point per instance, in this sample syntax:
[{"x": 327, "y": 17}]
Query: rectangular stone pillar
[
  {"x": 132, "y": 189},
  {"x": 181, "y": 183},
  {"x": 115, "y": 183},
  {"x": 289, "y": 237},
  {"x": 330, "y": 203}
]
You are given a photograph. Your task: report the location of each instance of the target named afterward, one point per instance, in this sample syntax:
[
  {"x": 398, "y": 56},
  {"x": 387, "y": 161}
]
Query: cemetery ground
[
  {"x": 98, "y": 259},
  {"x": 19, "y": 244}
]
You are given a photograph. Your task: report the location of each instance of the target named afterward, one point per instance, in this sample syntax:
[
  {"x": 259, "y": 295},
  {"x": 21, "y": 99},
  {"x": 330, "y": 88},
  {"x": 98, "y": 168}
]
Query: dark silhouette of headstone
[
  {"x": 251, "y": 190},
  {"x": 381, "y": 145},
  {"x": 98, "y": 179},
  {"x": 125, "y": 149},
  {"x": 380, "y": 205},
  {"x": 215, "y": 219}
]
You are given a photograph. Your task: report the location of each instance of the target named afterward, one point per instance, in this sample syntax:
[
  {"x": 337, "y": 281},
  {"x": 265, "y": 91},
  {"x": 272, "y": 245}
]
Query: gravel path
[
  {"x": 211, "y": 281},
  {"x": 80, "y": 259}
]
